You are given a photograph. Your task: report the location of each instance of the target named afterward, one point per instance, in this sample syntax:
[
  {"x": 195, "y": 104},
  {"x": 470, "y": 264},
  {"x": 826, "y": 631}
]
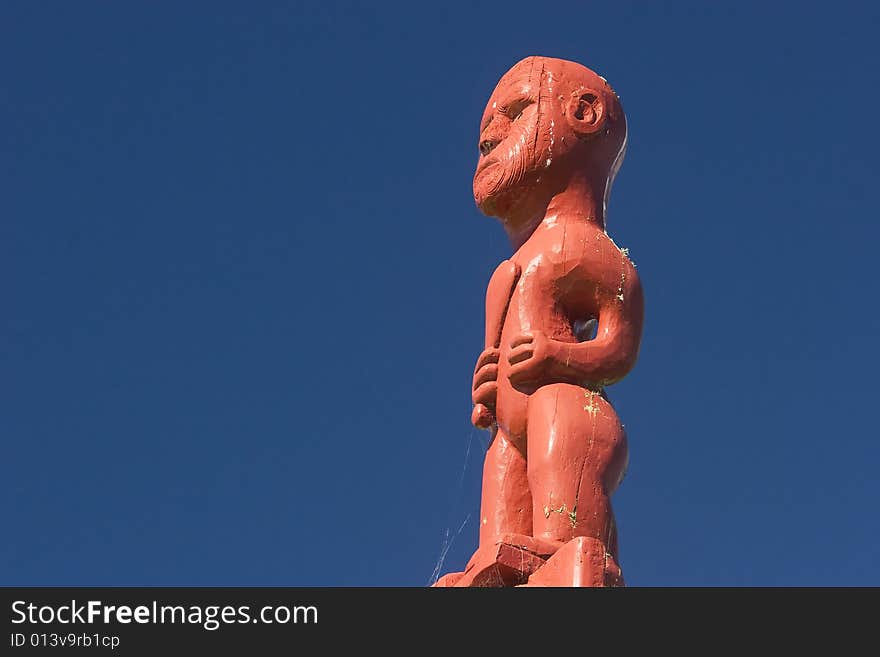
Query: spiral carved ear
[{"x": 586, "y": 112}]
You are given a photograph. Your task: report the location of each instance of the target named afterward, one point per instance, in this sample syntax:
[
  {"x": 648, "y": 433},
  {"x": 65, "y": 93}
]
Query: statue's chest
[{"x": 520, "y": 292}]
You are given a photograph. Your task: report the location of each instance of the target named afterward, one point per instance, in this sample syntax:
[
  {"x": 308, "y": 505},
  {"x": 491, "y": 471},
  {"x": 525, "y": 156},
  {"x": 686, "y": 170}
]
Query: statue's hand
[
  {"x": 485, "y": 384},
  {"x": 531, "y": 359},
  {"x": 485, "y": 388}
]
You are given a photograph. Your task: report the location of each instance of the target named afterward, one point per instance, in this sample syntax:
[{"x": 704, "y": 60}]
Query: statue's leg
[
  {"x": 505, "y": 515},
  {"x": 507, "y": 554},
  {"x": 577, "y": 455},
  {"x": 506, "y": 506}
]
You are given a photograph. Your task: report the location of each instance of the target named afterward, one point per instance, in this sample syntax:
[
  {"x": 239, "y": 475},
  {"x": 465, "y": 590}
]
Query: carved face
[
  {"x": 542, "y": 111},
  {"x": 512, "y": 150}
]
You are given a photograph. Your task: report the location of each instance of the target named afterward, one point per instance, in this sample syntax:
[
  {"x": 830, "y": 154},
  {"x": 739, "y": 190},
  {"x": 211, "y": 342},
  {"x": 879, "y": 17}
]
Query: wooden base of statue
[{"x": 525, "y": 561}]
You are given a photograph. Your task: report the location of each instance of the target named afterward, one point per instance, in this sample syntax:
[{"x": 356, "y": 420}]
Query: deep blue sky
[{"x": 242, "y": 278}]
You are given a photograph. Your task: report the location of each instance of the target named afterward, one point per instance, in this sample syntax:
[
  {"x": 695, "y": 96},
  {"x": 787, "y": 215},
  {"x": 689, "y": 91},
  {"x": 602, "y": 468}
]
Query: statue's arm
[
  {"x": 609, "y": 356},
  {"x": 606, "y": 289}
]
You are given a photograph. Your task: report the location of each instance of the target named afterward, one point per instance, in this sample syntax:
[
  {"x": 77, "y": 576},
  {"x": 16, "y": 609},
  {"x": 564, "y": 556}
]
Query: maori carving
[{"x": 563, "y": 321}]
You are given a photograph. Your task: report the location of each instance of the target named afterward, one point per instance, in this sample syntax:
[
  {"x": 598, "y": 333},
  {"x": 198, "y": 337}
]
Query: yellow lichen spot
[
  {"x": 591, "y": 408},
  {"x": 562, "y": 511}
]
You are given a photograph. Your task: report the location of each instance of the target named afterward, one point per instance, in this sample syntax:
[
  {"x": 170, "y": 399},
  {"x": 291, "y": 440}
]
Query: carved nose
[{"x": 488, "y": 145}]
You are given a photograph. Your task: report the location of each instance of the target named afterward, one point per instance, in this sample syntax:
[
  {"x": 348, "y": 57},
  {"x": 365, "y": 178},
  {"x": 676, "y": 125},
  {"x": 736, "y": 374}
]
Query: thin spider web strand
[
  {"x": 448, "y": 544},
  {"x": 448, "y": 540}
]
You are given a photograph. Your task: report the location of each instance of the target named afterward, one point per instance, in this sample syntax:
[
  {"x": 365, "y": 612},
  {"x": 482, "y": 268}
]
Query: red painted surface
[{"x": 551, "y": 140}]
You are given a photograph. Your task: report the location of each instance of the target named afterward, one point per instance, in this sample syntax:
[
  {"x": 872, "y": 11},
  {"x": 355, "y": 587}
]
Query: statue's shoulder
[
  {"x": 505, "y": 275},
  {"x": 574, "y": 242}
]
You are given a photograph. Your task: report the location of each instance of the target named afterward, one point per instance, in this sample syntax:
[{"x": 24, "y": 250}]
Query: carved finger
[
  {"x": 520, "y": 353},
  {"x": 486, "y": 393},
  {"x": 488, "y": 356},
  {"x": 486, "y": 373},
  {"x": 522, "y": 338},
  {"x": 521, "y": 373}
]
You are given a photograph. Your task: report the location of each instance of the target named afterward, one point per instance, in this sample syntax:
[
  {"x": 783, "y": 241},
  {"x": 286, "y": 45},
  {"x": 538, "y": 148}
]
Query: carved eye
[{"x": 487, "y": 146}]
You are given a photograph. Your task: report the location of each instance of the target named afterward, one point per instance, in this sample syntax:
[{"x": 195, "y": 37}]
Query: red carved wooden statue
[{"x": 563, "y": 320}]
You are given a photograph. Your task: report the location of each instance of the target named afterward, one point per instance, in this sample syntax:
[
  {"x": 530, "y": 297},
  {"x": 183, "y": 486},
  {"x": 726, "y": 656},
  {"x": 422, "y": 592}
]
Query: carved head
[{"x": 547, "y": 120}]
